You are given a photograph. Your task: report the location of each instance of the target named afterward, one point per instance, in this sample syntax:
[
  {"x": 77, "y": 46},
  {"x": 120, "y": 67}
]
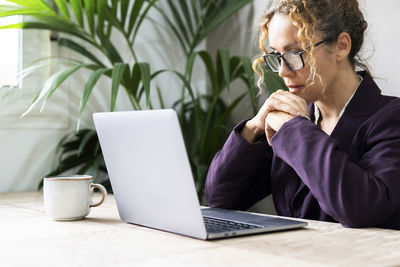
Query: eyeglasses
[{"x": 293, "y": 59}]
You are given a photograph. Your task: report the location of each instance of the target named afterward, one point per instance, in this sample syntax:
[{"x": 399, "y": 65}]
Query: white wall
[{"x": 381, "y": 44}]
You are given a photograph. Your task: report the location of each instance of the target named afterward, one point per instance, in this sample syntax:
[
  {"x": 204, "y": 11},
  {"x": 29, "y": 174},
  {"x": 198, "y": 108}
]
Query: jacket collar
[{"x": 361, "y": 106}]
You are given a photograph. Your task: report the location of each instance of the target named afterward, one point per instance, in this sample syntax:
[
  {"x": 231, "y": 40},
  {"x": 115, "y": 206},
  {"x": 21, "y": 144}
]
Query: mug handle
[{"x": 103, "y": 194}]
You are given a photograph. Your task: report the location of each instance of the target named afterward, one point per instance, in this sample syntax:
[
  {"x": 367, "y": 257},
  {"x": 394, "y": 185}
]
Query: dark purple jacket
[{"x": 351, "y": 177}]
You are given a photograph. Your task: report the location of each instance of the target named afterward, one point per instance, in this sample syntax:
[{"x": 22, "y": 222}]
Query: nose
[{"x": 284, "y": 70}]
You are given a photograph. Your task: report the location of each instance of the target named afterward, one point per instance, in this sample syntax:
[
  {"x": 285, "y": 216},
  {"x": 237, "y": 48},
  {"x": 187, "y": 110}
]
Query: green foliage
[
  {"x": 86, "y": 27},
  {"x": 101, "y": 18},
  {"x": 80, "y": 151},
  {"x": 204, "y": 117},
  {"x": 192, "y": 20}
]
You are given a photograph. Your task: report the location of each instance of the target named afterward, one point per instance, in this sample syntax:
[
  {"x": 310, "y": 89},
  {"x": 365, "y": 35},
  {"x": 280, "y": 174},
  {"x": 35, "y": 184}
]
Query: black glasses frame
[{"x": 281, "y": 57}]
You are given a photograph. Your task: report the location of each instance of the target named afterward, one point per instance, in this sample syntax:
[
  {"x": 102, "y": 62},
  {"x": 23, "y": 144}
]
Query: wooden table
[{"x": 30, "y": 238}]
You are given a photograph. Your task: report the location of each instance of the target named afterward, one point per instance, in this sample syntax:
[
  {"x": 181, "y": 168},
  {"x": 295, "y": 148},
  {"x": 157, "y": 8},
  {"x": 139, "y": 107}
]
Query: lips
[{"x": 293, "y": 88}]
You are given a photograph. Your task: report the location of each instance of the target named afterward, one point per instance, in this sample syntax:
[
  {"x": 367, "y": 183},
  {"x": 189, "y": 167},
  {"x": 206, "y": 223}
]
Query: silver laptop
[{"x": 152, "y": 181}]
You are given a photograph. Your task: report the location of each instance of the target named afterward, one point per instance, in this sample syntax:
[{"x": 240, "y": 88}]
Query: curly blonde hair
[{"x": 325, "y": 18}]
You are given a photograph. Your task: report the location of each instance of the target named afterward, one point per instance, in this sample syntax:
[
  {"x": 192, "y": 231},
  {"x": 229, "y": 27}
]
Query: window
[{"x": 10, "y": 51}]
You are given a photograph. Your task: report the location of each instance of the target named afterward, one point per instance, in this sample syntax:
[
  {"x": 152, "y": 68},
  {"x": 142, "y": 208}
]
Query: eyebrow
[{"x": 287, "y": 47}]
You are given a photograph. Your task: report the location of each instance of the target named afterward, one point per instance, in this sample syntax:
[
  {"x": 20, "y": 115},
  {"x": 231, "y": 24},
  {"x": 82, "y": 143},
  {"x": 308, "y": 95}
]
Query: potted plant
[{"x": 88, "y": 23}]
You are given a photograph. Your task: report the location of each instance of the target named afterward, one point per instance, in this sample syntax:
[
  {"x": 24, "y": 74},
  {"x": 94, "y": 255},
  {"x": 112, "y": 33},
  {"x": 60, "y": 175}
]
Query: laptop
[{"x": 152, "y": 180}]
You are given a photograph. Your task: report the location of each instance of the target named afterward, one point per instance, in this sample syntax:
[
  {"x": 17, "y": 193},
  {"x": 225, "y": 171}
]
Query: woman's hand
[
  {"x": 279, "y": 101},
  {"x": 287, "y": 102},
  {"x": 256, "y": 126},
  {"x": 283, "y": 106},
  {"x": 274, "y": 121}
]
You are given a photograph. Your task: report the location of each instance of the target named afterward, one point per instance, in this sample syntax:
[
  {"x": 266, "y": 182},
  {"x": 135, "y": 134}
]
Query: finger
[
  {"x": 275, "y": 104},
  {"x": 281, "y": 103},
  {"x": 269, "y": 133},
  {"x": 292, "y": 98},
  {"x": 287, "y": 102}
]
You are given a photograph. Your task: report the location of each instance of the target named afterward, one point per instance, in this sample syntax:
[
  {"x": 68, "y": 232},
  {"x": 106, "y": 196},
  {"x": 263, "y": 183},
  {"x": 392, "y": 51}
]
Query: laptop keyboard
[{"x": 214, "y": 225}]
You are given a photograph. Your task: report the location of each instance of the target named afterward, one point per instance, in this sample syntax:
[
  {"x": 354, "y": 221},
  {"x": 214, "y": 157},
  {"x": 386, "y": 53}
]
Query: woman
[{"x": 329, "y": 149}]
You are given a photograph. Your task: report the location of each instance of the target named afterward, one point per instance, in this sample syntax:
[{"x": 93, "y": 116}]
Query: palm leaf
[
  {"x": 228, "y": 10},
  {"x": 59, "y": 79},
  {"x": 246, "y": 63},
  {"x": 117, "y": 74},
  {"x": 186, "y": 13},
  {"x": 272, "y": 80},
  {"x": 101, "y": 13},
  {"x": 50, "y": 27},
  {"x": 41, "y": 4},
  {"x": 6, "y": 11},
  {"x": 94, "y": 77},
  {"x": 179, "y": 20},
  {"x": 124, "y": 10},
  {"x": 205, "y": 56},
  {"x": 142, "y": 16},
  {"x": 181, "y": 40},
  {"x": 111, "y": 52},
  {"x": 137, "y": 6},
  {"x": 79, "y": 49},
  {"x": 90, "y": 9},
  {"x": 86, "y": 138},
  {"x": 63, "y": 7},
  {"x": 145, "y": 75},
  {"x": 77, "y": 8},
  {"x": 223, "y": 68},
  {"x": 52, "y": 84}
]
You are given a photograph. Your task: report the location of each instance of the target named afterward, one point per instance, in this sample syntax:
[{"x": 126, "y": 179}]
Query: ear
[{"x": 343, "y": 46}]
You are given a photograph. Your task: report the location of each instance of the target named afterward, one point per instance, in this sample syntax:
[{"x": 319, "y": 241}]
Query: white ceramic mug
[{"x": 69, "y": 197}]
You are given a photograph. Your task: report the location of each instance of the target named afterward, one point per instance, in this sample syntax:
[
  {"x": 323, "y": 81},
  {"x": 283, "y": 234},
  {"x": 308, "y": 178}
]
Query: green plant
[
  {"x": 87, "y": 27},
  {"x": 204, "y": 119}
]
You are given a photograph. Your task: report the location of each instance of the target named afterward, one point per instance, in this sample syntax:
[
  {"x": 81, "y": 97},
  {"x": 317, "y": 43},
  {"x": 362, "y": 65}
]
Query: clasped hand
[{"x": 279, "y": 108}]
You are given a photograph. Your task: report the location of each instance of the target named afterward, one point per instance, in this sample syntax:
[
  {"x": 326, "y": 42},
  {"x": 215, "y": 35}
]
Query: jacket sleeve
[
  {"x": 238, "y": 175},
  {"x": 356, "y": 194}
]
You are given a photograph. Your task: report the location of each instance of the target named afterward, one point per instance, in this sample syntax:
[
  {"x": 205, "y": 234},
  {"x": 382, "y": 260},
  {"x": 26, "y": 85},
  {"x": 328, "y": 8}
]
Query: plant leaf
[
  {"x": 101, "y": 13},
  {"x": 124, "y": 10},
  {"x": 184, "y": 44},
  {"x": 212, "y": 23},
  {"x": 52, "y": 84},
  {"x": 90, "y": 8},
  {"x": 63, "y": 7},
  {"x": 79, "y": 49},
  {"x": 6, "y": 11},
  {"x": 77, "y": 8},
  {"x": 178, "y": 20},
  {"x": 145, "y": 76},
  {"x": 50, "y": 26},
  {"x": 86, "y": 138},
  {"x": 273, "y": 81},
  {"x": 246, "y": 63},
  {"x": 37, "y": 4},
  {"x": 112, "y": 52},
  {"x": 94, "y": 77},
  {"x": 223, "y": 68},
  {"x": 205, "y": 56},
  {"x": 160, "y": 98},
  {"x": 186, "y": 12},
  {"x": 117, "y": 74},
  {"x": 137, "y": 6},
  {"x": 59, "y": 80},
  {"x": 142, "y": 16}
]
